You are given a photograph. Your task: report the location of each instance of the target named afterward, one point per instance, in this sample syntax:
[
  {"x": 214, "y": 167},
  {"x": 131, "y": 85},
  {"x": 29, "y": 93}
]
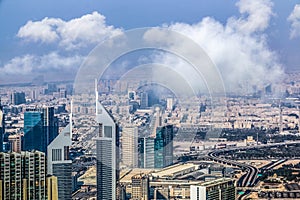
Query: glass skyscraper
[
  {"x": 40, "y": 128},
  {"x": 163, "y": 146},
  {"x": 156, "y": 152}
]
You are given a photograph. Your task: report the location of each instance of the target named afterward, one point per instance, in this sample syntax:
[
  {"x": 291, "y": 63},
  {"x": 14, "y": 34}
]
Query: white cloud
[
  {"x": 33, "y": 64},
  {"x": 239, "y": 48},
  {"x": 294, "y": 19},
  {"x": 80, "y": 32},
  {"x": 256, "y": 15}
]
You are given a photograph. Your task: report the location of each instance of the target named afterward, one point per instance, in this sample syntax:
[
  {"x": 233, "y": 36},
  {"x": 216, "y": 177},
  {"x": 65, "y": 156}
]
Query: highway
[{"x": 249, "y": 179}]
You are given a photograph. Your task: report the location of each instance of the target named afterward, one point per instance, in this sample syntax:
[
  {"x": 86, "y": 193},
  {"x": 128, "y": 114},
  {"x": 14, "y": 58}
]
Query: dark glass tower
[
  {"x": 163, "y": 146},
  {"x": 40, "y": 128}
]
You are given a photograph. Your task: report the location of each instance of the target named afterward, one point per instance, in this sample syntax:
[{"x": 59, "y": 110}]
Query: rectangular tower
[
  {"x": 40, "y": 128},
  {"x": 59, "y": 163},
  {"x": 107, "y": 145},
  {"x": 130, "y": 146}
]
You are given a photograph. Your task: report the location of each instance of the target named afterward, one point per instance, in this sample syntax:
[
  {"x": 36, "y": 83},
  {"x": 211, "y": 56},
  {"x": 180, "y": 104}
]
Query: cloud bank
[
  {"x": 238, "y": 48},
  {"x": 294, "y": 19},
  {"x": 77, "y": 33}
]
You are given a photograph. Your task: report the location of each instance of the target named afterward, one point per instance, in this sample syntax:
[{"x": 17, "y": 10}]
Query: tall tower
[
  {"x": 163, "y": 146},
  {"x": 59, "y": 163},
  {"x": 2, "y": 126},
  {"x": 298, "y": 119},
  {"x": 130, "y": 146},
  {"x": 40, "y": 128},
  {"x": 23, "y": 175},
  {"x": 107, "y": 145},
  {"x": 146, "y": 152}
]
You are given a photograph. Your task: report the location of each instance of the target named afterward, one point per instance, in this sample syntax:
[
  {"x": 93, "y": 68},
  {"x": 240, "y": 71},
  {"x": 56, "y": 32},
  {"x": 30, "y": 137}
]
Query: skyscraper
[
  {"x": 163, "y": 146},
  {"x": 107, "y": 145},
  {"x": 15, "y": 143},
  {"x": 23, "y": 175},
  {"x": 219, "y": 189},
  {"x": 34, "y": 134},
  {"x": 40, "y": 128},
  {"x": 59, "y": 163},
  {"x": 130, "y": 146},
  {"x": 17, "y": 98},
  {"x": 146, "y": 152},
  {"x": 2, "y": 126},
  {"x": 144, "y": 100}
]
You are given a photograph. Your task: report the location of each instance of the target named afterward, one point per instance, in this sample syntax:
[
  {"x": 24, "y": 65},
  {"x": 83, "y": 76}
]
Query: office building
[
  {"x": 144, "y": 100},
  {"x": 59, "y": 163},
  {"x": 163, "y": 146},
  {"x": 140, "y": 187},
  {"x": 15, "y": 143},
  {"x": 107, "y": 150},
  {"x": 23, "y": 175},
  {"x": 17, "y": 98},
  {"x": 146, "y": 152},
  {"x": 170, "y": 103},
  {"x": 40, "y": 128},
  {"x": 2, "y": 126},
  {"x": 130, "y": 146},
  {"x": 219, "y": 189}
]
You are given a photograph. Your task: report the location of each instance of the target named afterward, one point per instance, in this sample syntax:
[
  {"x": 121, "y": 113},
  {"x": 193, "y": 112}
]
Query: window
[
  {"x": 56, "y": 154},
  {"x": 66, "y": 152},
  {"x": 108, "y": 131}
]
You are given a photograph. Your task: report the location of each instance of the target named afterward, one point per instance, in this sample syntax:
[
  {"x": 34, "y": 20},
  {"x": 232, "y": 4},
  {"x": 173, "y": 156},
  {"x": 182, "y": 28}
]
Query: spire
[
  {"x": 97, "y": 97},
  {"x": 71, "y": 120}
]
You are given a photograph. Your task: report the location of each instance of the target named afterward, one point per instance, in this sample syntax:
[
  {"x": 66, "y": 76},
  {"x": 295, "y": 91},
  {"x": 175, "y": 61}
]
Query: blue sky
[{"x": 124, "y": 15}]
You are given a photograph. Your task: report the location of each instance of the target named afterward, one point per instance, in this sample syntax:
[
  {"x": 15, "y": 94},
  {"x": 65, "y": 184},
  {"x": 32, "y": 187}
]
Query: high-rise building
[
  {"x": 2, "y": 126},
  {"x": 17, "y": 98},
  {"x": 144, "y": 100},
  {"x": 170, "y": 103},
  {"x": 163, "y": 146},
  {"x": 23, "y": 175},
  {"x": 140, "y": 187},
  {"x": 40, "y": 128},
  {"x": 107, "y": 147},
  {"x": 15, "y": 142},
  {"x": 59, "y": 163},
  {"x": 219, "y": 189},
  {"x": 130, "y": 146},
  {"x": 146, "y": 152}
]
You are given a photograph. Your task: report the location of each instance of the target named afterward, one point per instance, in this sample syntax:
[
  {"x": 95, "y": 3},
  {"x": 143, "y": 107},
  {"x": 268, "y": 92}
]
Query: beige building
[
  {"x": 15, "y": 143},
  {"x": 140, "y": 187},
  {"x": 130, "y": 146}
]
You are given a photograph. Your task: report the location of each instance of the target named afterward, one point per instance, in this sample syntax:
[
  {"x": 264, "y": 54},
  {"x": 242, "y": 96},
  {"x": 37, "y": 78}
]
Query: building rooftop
[{"x": 175, "y": 170}]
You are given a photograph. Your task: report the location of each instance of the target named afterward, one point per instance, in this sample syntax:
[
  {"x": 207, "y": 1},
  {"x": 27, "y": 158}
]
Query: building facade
[
  {"x": 23, "y": 175},
  {"x": 140, "y": 187},
  {"x": 2, "y": 126},
  {"x": 107, "y": 150},
  {"x": 219, "y": 189},
  {"x": 163, "y": 146},
  {"x": 130, "y": 146},
  {"x": 146, "y": 152},
  {"x": 59, "y": 163},
  {"x": 40, "y": 128}
]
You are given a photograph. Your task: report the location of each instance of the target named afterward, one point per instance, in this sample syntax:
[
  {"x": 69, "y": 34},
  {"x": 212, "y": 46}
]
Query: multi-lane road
[{"x": 250, "y": 178}]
